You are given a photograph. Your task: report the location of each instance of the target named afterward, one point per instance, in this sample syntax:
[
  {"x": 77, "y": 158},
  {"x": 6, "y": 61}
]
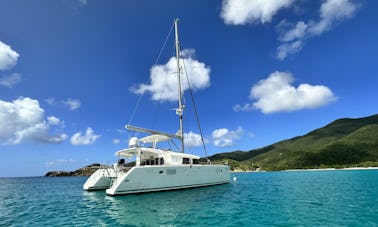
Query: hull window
[{"x": 171, "y": 171}]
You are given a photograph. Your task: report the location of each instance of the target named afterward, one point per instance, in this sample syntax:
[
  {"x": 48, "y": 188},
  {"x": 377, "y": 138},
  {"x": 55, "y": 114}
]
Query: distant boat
[{"x": 157, "y": 169}]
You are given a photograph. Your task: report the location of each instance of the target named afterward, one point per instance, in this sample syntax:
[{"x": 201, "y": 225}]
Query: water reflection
[{"x": 158, "y": 208}]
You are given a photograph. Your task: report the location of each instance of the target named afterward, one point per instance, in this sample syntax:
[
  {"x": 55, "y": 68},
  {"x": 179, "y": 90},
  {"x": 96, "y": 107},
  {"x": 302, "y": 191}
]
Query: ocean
[{"x": 299, "y": 198}]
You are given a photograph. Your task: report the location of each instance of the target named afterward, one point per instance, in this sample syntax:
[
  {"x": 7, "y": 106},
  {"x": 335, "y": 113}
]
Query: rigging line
[
  {"x": 149, "y": 78},
  {"x": 195, "y": 108}
]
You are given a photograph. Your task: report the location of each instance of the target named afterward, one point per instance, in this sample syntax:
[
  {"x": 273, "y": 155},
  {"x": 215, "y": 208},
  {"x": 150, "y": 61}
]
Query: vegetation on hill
[
  {"x": 342, "y": 143},
  {"x": 85, "y": 171}
]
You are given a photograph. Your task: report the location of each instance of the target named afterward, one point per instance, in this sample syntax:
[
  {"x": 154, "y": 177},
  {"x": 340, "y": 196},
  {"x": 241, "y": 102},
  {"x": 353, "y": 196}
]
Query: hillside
[
  {"x": 85, "y": 171},
  {"x": 342, "y": 143}
]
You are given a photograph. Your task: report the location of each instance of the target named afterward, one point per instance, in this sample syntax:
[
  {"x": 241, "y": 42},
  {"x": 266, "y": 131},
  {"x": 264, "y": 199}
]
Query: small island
[{"x": 85, "y": 171}]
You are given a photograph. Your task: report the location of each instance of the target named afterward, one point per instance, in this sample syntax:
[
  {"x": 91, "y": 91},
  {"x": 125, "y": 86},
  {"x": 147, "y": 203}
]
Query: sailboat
[{"x": 158, "y": 169}]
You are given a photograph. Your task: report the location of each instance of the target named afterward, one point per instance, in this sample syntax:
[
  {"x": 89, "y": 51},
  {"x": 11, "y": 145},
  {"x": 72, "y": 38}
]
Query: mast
[{"x": 180, "y": 109}]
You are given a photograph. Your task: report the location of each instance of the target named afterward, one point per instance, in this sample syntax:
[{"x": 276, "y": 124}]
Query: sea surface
[{"x": 302, "y": 198}]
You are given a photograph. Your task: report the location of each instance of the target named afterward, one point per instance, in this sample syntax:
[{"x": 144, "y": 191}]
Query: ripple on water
[{"x": 271, "y": 198}]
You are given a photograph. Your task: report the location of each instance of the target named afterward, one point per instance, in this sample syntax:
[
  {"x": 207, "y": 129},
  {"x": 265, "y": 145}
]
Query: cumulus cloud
[
  {"x": 73, "y": 104},
  {"x": 163, "y": 85},
  {"x": 10, "y": 80},
  {"x": 8, "y": 57},
  {"x": 292, "y": 35},
  {"x": 240, "y": 12},
  {"x": 84, "y": 139},
  {"x": 226, "y": 138},
  {"x": 23, "y": 119},
  {"x": 192, "y": 139},
  {"x": 276, "y": 94}
]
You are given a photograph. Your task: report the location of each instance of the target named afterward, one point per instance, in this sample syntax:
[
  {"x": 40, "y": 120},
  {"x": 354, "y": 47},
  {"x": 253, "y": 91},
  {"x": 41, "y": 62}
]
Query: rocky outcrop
[{"x": 85, "y": 171}]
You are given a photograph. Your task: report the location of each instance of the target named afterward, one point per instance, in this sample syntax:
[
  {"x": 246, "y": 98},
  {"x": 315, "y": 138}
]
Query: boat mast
[{"x": 180, "y": 108}]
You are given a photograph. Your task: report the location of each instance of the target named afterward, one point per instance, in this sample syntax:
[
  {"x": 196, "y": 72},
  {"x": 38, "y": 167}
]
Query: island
[{"x": 85, "y": 171}]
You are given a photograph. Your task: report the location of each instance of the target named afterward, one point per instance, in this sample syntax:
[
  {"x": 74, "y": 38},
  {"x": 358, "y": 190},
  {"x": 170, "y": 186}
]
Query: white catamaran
[{"x": 157, "y": 169}]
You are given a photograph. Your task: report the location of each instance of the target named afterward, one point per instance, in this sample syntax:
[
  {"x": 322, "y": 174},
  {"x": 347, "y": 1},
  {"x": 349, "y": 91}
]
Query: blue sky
[{"x": 71, "y": 73}]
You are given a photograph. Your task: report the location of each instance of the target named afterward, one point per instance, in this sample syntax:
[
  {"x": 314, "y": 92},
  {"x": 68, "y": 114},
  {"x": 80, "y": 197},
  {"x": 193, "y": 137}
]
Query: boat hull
[
  {"x": 143, "y": 179},
  {"x": 101, "y": 179}
]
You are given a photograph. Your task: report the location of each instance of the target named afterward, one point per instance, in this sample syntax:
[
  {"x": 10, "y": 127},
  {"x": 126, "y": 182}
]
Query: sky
[{"x": 72, "y": 72}]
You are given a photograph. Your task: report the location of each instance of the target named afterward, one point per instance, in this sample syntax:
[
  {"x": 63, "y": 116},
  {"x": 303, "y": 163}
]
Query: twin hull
[
  {"x": 158, "y": 178},
  {"x": 101, "y": 179}
]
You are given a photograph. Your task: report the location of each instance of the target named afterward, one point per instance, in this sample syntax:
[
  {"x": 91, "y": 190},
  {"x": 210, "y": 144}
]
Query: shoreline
[
  {"x": 332, "y": 169},
  {"x": 300, "y": 170}
]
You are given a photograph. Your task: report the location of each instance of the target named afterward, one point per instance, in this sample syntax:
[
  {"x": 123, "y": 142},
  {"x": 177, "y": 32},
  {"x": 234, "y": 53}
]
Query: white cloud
[
  {"x": 10, "y": 80},
  {"x": 332, "y": 12},
  {"x": 50, "y": 101},
  {"x": 286, "y": 49},
  {"x": 240, "y": 12},
  {"x": 276, "y": 94},
  {"x": 59, "y": 162},
  {"x": 73, "y": 104},
  {"x": 53, "y": 120},
  {"x": 83, "y": 2},
  {"x": 116, "y": 141},
  {"x": 290, "y": 32},
  {"x": 226, "y": 138},
  {"x": 8, "y": 57},
  {"x": 84, "y": 139},
  {"x": 292, "y": 35},
  {"x": 245, "y": 107},
  {"x": 192, "y": 139},
  {"x": 163, "y": 85},
  {"x": 23, "y": 119}
]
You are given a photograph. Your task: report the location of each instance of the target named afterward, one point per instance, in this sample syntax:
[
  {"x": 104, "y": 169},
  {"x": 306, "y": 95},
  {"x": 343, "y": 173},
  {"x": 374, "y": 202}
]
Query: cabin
[{"x": 150, "y": 156}]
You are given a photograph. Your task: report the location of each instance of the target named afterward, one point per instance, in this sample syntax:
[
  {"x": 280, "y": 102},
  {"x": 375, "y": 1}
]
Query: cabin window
[
  {"x": 195, "y": 161},
  {"x": 161, "y": 161},
  {"x": 185, "y": 161}
]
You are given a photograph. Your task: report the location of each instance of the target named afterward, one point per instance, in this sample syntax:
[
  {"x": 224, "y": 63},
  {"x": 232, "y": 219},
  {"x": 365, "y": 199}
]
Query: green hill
[{"x": 342, "y": 143}]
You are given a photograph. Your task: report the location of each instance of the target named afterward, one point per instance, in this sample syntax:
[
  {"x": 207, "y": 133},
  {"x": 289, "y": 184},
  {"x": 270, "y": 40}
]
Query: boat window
[
  {"x": 195, "y": 161},
  {"x": 161, "y": 161},
  {"x": 171, "y": 171},
  {"x": 152, "y": 162},
  {"x": 185, "y": 161}
]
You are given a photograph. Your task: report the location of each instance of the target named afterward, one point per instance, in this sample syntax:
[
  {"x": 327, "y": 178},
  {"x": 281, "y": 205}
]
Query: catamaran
[{"x": 158, "y": 169}]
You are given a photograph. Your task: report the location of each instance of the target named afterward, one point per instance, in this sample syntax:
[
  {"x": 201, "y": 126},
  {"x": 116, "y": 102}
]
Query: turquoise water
[{"x": 319, "y": 198}]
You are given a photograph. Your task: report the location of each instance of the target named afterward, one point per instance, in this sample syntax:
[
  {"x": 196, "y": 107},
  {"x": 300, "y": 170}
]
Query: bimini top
[
  {"x": 130, "y": 152},
  {"x": 154, "y": 139}
]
